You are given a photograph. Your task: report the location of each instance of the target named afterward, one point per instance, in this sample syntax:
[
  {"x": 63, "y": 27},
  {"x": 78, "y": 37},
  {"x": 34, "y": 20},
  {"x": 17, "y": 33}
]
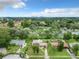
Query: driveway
[
  {"x": 71, "y": 54},
  {"x": 46, "y": 54}
]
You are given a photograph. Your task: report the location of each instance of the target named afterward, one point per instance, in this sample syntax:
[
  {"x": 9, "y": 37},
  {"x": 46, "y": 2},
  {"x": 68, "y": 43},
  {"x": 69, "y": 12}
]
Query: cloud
[
  {"x": 12, "y": 3},
  {"x": 19, "y": 5},
  {"x": 58, "y": 12}
]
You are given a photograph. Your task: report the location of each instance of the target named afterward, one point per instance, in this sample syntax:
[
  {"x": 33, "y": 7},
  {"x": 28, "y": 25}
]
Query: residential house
[
  {"x": 21, "y": 43},
  {"x": 39, "y": 43},
  {"x": 55, "y": 43}
]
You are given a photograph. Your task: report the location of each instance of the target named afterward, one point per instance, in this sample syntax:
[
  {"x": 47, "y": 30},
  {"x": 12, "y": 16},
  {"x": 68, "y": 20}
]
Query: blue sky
[{"x": 46, "y": 8}]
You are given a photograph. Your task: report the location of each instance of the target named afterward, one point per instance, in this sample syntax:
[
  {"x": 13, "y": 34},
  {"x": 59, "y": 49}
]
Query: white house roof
[
  {"x": 18, "y": 42},
  {"x": 37, "y": 41},
  {"x": 43, "y": 44}
]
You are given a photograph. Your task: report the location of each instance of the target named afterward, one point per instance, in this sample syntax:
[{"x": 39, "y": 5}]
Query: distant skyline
[{"x": 37, "y": 8}]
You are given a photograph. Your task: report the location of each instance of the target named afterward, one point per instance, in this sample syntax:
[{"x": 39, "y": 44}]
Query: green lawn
[
  {"x": 50, "y": 57},
  {"x": 36, "y": 58},
  {"x": 60, "y": 57},
  {"x": 12, "y": 48},
  {"x": 78, "y": 53},
  {"x": 54, "y": 52},
  {"x": 78, "y": 57},
  {"x": 71, "y": 41}
]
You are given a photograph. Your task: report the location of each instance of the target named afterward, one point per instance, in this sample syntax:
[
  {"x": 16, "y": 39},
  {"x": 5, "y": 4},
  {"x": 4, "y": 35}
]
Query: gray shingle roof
[{"x": 18, "y": 42}]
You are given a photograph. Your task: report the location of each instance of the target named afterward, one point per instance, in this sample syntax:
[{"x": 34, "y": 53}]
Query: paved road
[{"x": 71, "y": 54}]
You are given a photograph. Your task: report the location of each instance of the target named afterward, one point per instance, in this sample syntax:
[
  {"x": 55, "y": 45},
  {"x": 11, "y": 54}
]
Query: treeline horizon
[{"x": 39, "y": 18}]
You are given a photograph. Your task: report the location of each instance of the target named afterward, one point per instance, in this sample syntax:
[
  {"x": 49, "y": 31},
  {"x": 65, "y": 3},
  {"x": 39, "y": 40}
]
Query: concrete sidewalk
[{"x": 46, "y": 54}]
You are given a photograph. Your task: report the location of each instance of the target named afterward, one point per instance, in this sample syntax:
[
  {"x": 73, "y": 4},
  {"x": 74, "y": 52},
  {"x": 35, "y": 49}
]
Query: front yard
[
  {"x": 52, "y": 51},
  {"x": 36, "y": 58},
  {"x": 71, "y": 41},
  {"x": 12, "y": 48}
]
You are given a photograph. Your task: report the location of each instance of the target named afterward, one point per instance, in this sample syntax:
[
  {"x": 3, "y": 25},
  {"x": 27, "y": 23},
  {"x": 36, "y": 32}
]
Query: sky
[{"x": 39, "y": 8}]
